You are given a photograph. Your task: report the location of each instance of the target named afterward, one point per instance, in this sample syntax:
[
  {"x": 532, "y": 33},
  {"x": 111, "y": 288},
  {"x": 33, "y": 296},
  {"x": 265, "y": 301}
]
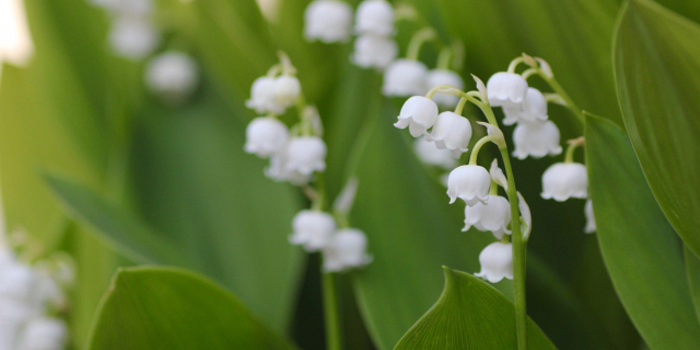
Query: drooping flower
[
  {"x": 437, "y": 77},
  {"x": 265, "y": 136},
  {"x": 133, "y": 39},
  {"x": 375, "y": 17},
  {"x": 43, "y": 333},
  {"x": 430, "y": 154},
  {"x": 172, "y": 75},
  {"x": 306, "y": 154},
  {"x": 374, "y": 51},
  {"x": 536, "y": 139},
  {"x": 590, "y": 219},
  {"x": 451, "y": 131},
  {"x": 506, "y": 89},
  {"x": 312, "y": 229},
  {"x": 418, "y": 114},
  {"x": 496, "y": 262},
  {"x": 494, "y": 216},
  {"x": 405, "y": 78},
  {"x": 533, "y": 109},
  {"x": 562, "y": 181},
  {"x": 347, "y": 249},
  {"x": 262, "y": 97},
  {"x": 286, "y": 90},
  {"x": 278, "y": 170},
  {"x": 328, "y": 21},
  {"x": 470, "y": 183}
]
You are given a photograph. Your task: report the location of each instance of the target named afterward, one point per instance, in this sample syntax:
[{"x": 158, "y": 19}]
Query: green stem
[
  {"x": 477, "y": 147},
  {"x": 554, "y": 84},
  {"x": 417, "y": 41},
  {"x": 444, "y": 58},
  {"x": 330, "y": 308}
]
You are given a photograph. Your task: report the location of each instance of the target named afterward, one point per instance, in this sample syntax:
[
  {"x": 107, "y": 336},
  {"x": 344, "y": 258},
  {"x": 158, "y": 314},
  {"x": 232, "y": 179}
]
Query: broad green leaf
[
  {"x": 470, "y": 314},
  {"x": 692, "y": 266},
  {"x": 640, "y": 248},
  {"x": 165, "y": 308},
  {"x": 657, "y": 58}
]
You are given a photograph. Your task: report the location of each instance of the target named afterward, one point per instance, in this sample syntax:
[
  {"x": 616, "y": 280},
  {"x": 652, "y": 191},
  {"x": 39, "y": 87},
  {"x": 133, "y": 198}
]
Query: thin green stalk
[
  {"x": 330, "y": 308},
  {"x": 419, "y": 38}
]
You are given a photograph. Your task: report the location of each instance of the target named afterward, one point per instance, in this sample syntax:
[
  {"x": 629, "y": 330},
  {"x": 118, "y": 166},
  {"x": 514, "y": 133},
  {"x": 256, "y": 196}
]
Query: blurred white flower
[
  {"x": 43, "y": 333},
  {"x": 375, "y": 17},
  {"x": 470, "y": 183},
  {"x": 262, "y": 97},
  {"x": 328, "y": 21},
  {"x": 562, "y": 181},
  {"x": 374, "y": 51},
  {"x": 533, "y": 109},
  {"x": 286, "y": 90},
  {"x": 127, "y": 8},
  {"x": 278, "y": 170},
  {"x": 306, "y": 154},
  {"x": 430, "y": 154},
  {"x": 405, "y": 78},
  {"x": 133, "y": 39},
  {"x": 536, "y": 139},
  {"x": 418, "y": 114},
  {"x": 494, "y": 215},
  {"x": 451, "y": 131},
  {"x": 17, "y": 281},
  {"x": 347, "y": 249},
  {"x": 496, "y": 262},
  {"x": 506, "y": 89},
  {"x": 265, "y": 136},
  {"x": 590, "y": 219},
  {"x": 437, "y": 77},
  {"x": 172, "y": 75},
  {"x": 312, "y": 229}
]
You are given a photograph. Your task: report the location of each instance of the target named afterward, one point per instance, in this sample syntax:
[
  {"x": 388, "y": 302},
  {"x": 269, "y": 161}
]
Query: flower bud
[
  {"x": 262, "y": 97},
  {"x": 375, "y": 17},
  {"x": 453, "y": 132},
  {"x": 347, "y": 249},
  {"x": 265, "y": 136},
  {"x": 286, "y": 90},
  {"x": 306, "y": 154},
  {"x": 565, "y": 180},
  {"x": 536, "y": 139},
  {"x": 494, "y": 216},
  {"x": 437, "y": 77},
  {"x": 430, "y": 154},
  {"x": 470, "y": 183},
  {"x": 133, "y": 39},
  {"x": 419, "y": 114},
  {"x": 172, "y": 75},
  {"x": 43, "y": 334},
  {"x": 328, "y": 21},
  {"x": 405, "y": 78},
  {"x": 496, "y": 262},
  {"x": 533, "y": 109},
  {"x": 312, "y": 229},
  {"x": 506, "y": 89},
  {"x": 374, "y": 51},
  {"x": 590, "y": 219}
]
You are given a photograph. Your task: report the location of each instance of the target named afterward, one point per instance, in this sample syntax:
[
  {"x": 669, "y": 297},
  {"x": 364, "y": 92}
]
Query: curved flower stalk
[{"x": 298, "y": 155}]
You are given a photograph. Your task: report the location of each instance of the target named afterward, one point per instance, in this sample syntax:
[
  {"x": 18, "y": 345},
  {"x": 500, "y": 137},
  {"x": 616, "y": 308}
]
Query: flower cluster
[
  {"x": 133, "y": 34},
  {"x": 31, "y": 297},
  {"x": 296, "y": 155}
]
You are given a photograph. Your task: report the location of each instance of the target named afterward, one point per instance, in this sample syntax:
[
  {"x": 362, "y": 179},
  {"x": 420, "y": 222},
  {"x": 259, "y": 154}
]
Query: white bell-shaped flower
[
  {"x": 506, "y": 89},
  {"x": 43, "y": 334},
  {"x": 17, "y": 281},
  {"x": 374, "y": 51},
  {"x": 328, "y": 21},
  {"x": 287, "y": 90},
  {"x": 496, "y": 262},
  {"x": 265, "y": 136},
  {"x": 133, "y": 39},
  {"x": 278, "y": 170},
  {"x": 437, "y": 77},
  {"x": 418, "y": 114},
  {"x": 405, "y": 78},
  {"x": 536, "y": 139},
  {"x": 347, "y": 249},
  {"x": 562, "y": 181},
  {"x": 533, "y": 109},
  {"x": 494, "y": 216},
  {"x": 375, "y": 17},
  {"x": 172, "y": 75},
  {"x": 306, "y": 154},
  {"x": 312, "y": 229},
  {"x": 453, "y": 132},
  {"x": 430, "y": 154},
  {"x": 470, "y": 183},
  {"x": 262, "y": 97},
  {"x": 590, "y": 219}
]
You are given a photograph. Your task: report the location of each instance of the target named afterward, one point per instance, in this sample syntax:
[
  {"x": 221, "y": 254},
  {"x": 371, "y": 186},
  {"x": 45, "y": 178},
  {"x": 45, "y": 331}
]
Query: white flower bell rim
[
  {"x": 451, "y": 131},
  {"x": 133, "y": 39},
  {"x": 262, "y": 97},
  {"x": 265, "y": 136},
  {"x": 312, "y": 229},
  {"x": 506, "y": 89},
  {"x": 536, "y": 139},
  {"x": 374, "y": 51},
  {"x": 173, "y": 74},
  {"x": 533, "y": 109},
  {"x": 494, "y": 216},
  {"x": 418, "y": 114},
  {"x": 562, "y": 181},
  {"x": 470, "y": 183},
  {"x": 286, "y": 90},
  {"x": 430, "y": 154},
  {"x": 328, "y": 21},
  {"x": 346, "y": 250},
  {"x": 438, "y": 77},
  {"x": 306, "y": 154},
  {"x": 405, "y": 77},
  {"x": 375, "y": 17},
  {"x": 496, "y": 262},
  {"x": 590, "y": 218}
]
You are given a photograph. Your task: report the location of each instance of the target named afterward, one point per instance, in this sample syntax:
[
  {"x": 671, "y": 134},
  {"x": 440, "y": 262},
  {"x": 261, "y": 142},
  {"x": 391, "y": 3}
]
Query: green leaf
[
  {"x": 657, "y": 58},
  {"x": 165, "y": 308},
  {"x": 692, "y": 266},
  {"x": 470, "y": 314},
  {"x": 640, "y": 248}
]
